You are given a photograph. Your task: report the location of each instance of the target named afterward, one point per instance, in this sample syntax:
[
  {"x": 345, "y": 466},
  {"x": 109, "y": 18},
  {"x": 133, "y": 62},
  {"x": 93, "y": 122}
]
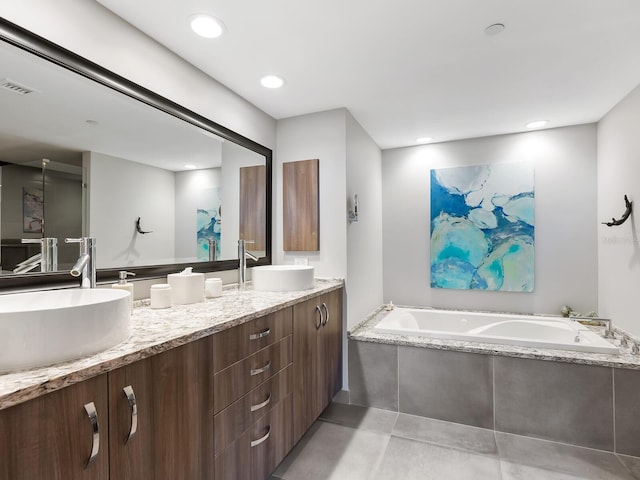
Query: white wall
[
  {"x": 92, "y": 31},
  {"x": 120, "y": 191},
  {"x": 565, "y": 219},
  {"x": 619, "y": 247},
  {"x": 323, "y": 136}
]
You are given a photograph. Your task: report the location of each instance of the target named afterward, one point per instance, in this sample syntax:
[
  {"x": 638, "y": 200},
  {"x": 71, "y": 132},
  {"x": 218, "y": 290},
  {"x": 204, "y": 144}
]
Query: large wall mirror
[{"x": 84, "y": 152}]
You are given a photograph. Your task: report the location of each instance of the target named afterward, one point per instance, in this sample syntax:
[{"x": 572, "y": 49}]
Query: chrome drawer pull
[
  {"x": 131, "y": 398},
  {"x": 255, "y": 443},
  {"x": 257, "y": 336},
  {"x": 90, "y": 408},
  {"x": 261, "y": 405},
  {"x": 258, "y": 371},
  {"x": 318, "y": 325},
  {"x": 326, "y": 312}
]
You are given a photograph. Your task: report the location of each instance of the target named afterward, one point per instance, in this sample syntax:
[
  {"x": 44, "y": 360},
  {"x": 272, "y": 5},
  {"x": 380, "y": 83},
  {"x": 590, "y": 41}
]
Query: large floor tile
[
  {"x": 334, "y": 452},
  {"x": 524, "y": 458},
  {"x": 356, "y": 416},
  {"x": 478, "y": 440},
  {"x": 409, "y": 459},
  {"x": 632, "y": 464}
]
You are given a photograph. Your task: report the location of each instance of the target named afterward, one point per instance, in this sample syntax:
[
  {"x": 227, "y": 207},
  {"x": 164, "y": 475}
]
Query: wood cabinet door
[
  {"x": 131, "y": 424},
  {"x": 52, "y": 437},
  {"x": 306, "y": 326},
  {"x": 330, "y": 348},
  {"x": 183, "y": 411}
]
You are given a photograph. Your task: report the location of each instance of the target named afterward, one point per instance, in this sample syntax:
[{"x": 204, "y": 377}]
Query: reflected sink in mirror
[
  {"x": 282, "y": 278},
  {"x": 43, "y": 328}
]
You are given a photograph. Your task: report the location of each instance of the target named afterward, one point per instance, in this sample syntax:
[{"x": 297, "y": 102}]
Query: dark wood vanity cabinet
[
  {"x": 161, "y": 415},
  {"x": 52, "y": 437},
  {"x": 229, "y": 406},
  {"x": 317, "y": 357}
]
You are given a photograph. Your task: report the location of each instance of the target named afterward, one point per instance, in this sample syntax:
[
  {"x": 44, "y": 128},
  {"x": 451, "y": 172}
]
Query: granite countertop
[
  {"x": 155, "y": 331},
  {"x": 364, "y": 332}
]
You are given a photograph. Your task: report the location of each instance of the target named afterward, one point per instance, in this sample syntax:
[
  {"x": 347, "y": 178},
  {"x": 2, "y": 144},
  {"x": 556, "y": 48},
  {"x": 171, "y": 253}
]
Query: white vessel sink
[
  {"x": 282, "y": 278},
  {"x": 41, "y": 328}
]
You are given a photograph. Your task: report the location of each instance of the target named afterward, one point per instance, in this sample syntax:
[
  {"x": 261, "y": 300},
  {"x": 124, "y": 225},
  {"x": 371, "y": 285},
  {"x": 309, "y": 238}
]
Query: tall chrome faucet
[
  {"x": 85, "y": 266},
  {"x": 47, "y": 258},
  {"x": 243, "y": 254}
]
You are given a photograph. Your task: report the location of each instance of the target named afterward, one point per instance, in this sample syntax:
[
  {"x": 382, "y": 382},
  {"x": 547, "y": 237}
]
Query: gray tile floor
[{"x": 352, "y": 443}]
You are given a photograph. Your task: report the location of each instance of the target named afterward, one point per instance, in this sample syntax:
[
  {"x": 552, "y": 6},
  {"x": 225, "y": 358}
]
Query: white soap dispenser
[{"x": 124, "y": 285}]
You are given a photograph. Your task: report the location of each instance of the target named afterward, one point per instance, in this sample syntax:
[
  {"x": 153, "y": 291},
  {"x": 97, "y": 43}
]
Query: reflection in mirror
[{"x": 159, "y": 190}]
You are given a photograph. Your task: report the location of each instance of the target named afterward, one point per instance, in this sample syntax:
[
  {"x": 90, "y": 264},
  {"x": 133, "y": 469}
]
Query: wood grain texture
[
  {"x": 183, "y": 411},
  {"x": 301, "y": 207},
  {"x": 234, "y": 344},
  {"x": 133, "y": 459},
  {"x": 51, "y": 437},
  {"x": 253, "y": 206},
  {"x": 330, "y": 356},
  {"x": 234, "y": 420},
  {"x": 235, "y": 381},
  {"x": 266, "y": 456}
]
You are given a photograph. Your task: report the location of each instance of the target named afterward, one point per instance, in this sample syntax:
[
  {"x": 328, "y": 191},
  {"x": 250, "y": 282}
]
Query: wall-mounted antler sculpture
[
  {"x": 624, "y": 217},
  {"x": 139, "y": 228}
]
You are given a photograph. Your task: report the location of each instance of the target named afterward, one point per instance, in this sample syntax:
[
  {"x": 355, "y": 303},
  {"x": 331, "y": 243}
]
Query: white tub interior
[{"x": 509, "y": 329}]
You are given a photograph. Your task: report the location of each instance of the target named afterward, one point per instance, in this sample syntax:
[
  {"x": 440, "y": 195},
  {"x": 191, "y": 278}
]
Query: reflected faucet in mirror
[
  {"x": 243, "y": 254},
  {"x": 85, "y": 266},
  {"x": 47, "y": 258}
]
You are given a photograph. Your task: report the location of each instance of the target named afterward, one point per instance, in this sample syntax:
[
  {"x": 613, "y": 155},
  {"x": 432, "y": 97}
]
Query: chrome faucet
[
  {"x": 47, "y": 258},
  {"x": 243, "y": 254},
  {"x": 605, "y": 322},
  {"x": 85, "y": 266}
]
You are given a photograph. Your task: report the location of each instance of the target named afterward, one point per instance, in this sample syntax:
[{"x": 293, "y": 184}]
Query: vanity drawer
[
  {"x": 257, "y": 453},
  {"x": 231, "y": 422},
  {"x": 235, "y": 381},
  {"x": 237, "y": 343}
]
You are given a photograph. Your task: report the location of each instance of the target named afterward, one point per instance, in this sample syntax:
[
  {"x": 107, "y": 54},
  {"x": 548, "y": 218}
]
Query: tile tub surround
[
  {"x": 355, "y": 442},
  {"x": 566, "y": 397},
  {"x": 155, "y": 331}
]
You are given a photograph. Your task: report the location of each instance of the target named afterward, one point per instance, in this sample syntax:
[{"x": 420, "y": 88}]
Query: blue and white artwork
[
  {"x": 209, "y": 225},
  {"x": 482, "y": 227}
]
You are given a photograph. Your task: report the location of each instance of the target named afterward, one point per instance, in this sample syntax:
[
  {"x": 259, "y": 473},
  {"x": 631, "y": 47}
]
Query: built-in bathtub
[{"x": 496, "y": 328}]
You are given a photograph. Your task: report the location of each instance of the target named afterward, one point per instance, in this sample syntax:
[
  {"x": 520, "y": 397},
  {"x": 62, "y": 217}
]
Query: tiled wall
[{"x": 591, "y": 406}]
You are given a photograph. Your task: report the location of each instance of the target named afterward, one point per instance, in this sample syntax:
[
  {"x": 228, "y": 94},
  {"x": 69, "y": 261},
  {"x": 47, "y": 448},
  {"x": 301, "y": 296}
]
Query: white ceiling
[{"x": 411, "y": 68}]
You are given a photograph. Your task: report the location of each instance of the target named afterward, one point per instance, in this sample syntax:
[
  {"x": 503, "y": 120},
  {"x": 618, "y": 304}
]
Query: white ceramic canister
[
  {"x": 161, "y": 294},
  {"x": 212, "y": 287}
]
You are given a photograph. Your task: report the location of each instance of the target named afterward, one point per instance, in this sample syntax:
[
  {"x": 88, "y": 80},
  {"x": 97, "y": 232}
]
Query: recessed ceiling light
[
  {"x": 537, "y": 124},
  {"x": 272, "y": 81},
  {"x": 424, "y": 139},
  {"x": 189, "y": 166},
  {"x": 495, "y": 29},
  {"x": 206, "y": 26}
]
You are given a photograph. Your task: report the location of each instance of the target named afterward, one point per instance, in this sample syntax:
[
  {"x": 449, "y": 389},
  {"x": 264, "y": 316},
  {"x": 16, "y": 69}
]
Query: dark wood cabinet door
[
  {"x": 330, "y": 349},
  {"x": 183, "y": 411},
  {"x": 306, "y": 327},
  {"x": 51, "y": 437},
  {"x": 131, "y": 457}
]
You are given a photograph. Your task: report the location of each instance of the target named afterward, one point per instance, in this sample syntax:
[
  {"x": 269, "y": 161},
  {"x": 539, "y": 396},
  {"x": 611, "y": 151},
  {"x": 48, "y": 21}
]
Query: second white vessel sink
[
  {"x": 42, "y": 328},
  {"x": 282, "y": 278}
]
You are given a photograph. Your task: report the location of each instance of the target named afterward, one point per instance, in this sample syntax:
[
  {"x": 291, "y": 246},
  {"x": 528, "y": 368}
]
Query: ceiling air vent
[{"x": 16, "y": 87}]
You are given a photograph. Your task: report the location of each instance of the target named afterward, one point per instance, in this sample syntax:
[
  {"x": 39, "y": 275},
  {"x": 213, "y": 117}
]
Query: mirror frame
[{"x": 49, "y": 51}]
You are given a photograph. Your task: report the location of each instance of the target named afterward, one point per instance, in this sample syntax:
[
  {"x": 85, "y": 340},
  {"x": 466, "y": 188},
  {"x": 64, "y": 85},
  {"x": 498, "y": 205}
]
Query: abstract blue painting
[
  {"x": 482, "y": 227},
  {"x": 209, "y": 226}
]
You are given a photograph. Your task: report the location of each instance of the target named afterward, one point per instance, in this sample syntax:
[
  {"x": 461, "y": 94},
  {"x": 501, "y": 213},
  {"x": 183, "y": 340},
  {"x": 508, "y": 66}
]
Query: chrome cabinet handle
[
  {"x": 261, "y": 405},
  {"x": 258, "y": 371},
  {"x": 318, "y": 325},
  {"x": 256, "y": 336},
  {"x": 90, "y": 408},
  {"x": 255, "y": 443},
  {"x": 326, "y": 311},
  {"x": 131, "y": 398}
]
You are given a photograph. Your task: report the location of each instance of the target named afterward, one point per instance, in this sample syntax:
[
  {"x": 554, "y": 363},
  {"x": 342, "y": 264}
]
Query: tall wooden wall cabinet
[{"x": 301, "y": 206}]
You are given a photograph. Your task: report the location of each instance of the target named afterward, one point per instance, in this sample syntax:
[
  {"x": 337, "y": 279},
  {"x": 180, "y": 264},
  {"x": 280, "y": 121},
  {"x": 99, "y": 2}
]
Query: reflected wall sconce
[
  {"x": 624, "y": 216},
  {"x": 353, "y": 212}
]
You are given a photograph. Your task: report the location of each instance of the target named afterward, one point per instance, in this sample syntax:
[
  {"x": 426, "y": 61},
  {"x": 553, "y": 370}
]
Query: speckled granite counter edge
[
  {"x": 156, "y": 331},
  {"x": 364, "y": 332}
]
